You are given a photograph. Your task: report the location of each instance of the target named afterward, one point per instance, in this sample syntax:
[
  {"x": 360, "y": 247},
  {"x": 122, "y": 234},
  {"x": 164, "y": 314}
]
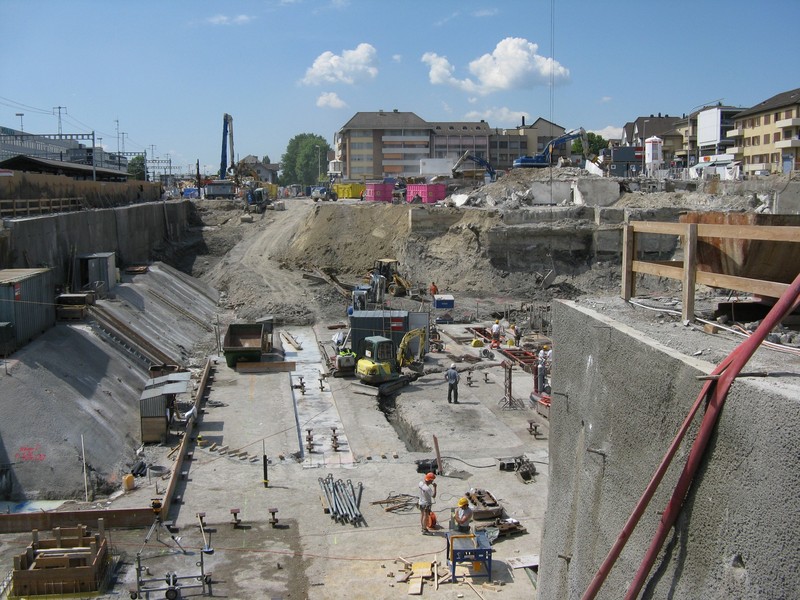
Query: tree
[
  {"x": 136, "y": 168},
  {"x": 305, "y": 158},
  {"x": 596, "y": 143}
]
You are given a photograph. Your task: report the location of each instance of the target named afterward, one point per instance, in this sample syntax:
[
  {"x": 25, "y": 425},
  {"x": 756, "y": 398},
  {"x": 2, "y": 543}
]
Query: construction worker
[
  {"x": 452, "y": 377},
  {"x": 427, "y": 492},
  {"x": 433, "y": 289},
  {"x": 462, "y": 516},
  {"x": 496, "y": 329}
]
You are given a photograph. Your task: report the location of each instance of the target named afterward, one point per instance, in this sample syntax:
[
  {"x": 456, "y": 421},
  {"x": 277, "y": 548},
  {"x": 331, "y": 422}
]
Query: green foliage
[
  {"x": 136, "y": 168},
  {"x": 596, "y": 143},
  {"x": 305, "y": 157}
]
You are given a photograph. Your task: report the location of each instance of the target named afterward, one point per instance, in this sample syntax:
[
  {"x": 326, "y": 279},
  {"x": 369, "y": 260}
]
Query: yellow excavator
[{"x": 380, "y": 363}]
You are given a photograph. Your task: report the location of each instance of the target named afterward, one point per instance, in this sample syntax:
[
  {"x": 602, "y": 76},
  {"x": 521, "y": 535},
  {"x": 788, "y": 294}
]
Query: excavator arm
[{"x": 403, "y": 359}]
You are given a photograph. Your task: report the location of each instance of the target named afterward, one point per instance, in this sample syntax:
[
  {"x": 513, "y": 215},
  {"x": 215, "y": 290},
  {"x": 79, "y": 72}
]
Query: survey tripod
[{"x": 171, "y": 583}]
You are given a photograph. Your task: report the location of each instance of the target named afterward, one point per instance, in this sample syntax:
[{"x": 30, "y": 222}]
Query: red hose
[{"x": 727, "y": 370}]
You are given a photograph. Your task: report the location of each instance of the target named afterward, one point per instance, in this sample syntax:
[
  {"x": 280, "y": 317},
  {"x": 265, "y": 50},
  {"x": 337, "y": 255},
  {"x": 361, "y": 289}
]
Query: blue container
[{"x": 443, "y": 301}]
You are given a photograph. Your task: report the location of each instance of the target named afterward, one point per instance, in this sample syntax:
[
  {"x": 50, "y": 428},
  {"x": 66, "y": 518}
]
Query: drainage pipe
[{"x": 718, "y": 389}]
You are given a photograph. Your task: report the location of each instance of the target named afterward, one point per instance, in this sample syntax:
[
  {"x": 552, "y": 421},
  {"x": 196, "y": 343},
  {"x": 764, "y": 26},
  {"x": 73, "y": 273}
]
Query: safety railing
[{"x": 687, "y": 270}]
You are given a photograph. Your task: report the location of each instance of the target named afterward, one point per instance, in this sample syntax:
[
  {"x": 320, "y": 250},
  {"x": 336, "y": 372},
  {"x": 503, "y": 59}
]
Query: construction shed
[
  {"x": 26, "y": 304},
  {"x": 157, "y": 408},
  {"x": 95, "y": 272}
]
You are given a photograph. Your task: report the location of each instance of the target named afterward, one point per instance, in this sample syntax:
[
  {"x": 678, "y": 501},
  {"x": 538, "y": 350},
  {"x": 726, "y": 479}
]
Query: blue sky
[{"x": 168, "y": 70}]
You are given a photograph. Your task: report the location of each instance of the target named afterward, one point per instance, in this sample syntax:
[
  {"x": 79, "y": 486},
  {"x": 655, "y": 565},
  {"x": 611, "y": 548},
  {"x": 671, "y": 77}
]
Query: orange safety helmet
[{"x": 430, "y": 477}]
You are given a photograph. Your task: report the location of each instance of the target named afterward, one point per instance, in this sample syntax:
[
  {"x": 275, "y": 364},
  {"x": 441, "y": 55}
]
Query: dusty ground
[{"x": 258, "y": 267}]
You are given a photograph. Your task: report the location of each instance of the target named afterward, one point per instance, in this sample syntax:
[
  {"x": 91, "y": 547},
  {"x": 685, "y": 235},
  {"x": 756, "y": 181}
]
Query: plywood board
[
  {"x": 519, "y": 562},
  {"x": 415, "y": 586}
]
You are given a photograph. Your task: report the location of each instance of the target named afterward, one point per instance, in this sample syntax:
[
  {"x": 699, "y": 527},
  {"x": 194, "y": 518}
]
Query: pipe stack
[{"x": 343, "y": 499}]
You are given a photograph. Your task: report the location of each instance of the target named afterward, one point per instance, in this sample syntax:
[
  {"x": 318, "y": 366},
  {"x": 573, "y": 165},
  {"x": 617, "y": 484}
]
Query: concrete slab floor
[{"x": 307, "y": 554}]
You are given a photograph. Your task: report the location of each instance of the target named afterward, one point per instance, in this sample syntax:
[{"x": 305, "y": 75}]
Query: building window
[
  {"x": 766, "y": 119},
  {"x": 766, "y": 139},
  {"x": 788, "y": 114},
  {"x": 758, "y": 121},
  {"x": 776, "y": 137}
]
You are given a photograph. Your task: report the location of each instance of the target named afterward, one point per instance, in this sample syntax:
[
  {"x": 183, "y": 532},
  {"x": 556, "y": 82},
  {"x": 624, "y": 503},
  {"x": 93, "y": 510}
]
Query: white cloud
[
  {"x": 609, "y": 132},
  {"x": 486, "y": 12},
  {"x": 226, "y": 20},
  {"x": 350, "y": 67},
  {"x": 500, "y": 117},
  {"x": 397, "y": 58},
  {"x": 447, "y": 108},
  {"x": 330, "y": 100},
  {"x": 446, "y": 19},
  {"x": 605, "y": 99},
  {"x": 513, "y": 65}
]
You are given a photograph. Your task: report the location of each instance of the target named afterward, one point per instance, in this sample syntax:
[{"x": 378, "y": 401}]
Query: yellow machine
[
  {"x": 379, "y": 363},
  {"x": 396, "y": 284}
]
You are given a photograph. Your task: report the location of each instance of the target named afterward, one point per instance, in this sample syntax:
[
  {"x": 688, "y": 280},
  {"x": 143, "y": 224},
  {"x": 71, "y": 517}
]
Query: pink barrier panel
[
  {"x": 429, "y": 192},
  {"x": 379, "y": 192}
]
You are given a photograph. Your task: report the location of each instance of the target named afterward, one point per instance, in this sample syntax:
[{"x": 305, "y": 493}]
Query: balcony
[
  {"x": 783, "y": 123},
  {"x": 735, "y": 150},
  {"x": 793, "y": 143},
  {"x": 735, "y": 132},
  {"x": 405, "y": 138}
]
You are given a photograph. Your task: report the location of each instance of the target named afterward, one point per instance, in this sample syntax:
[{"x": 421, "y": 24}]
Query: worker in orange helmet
[{"x": 427, "y": 492}]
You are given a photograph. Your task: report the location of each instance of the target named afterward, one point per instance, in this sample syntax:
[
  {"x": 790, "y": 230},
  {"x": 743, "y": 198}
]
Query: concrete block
[
  {"x": 609, "y": 215},
  {"x": 595, "y": 191},
  {"x": 607, "y": 241}
]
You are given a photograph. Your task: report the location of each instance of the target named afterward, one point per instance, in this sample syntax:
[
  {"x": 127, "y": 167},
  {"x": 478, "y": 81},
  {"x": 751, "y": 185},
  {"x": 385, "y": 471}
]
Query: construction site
[{"x": 201, "y": 401}]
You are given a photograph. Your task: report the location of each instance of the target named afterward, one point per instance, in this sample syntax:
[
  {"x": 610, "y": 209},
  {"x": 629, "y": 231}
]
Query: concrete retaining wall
[
  {"x": 619, "y": 399},
  {"x": 130, "y": 231}
]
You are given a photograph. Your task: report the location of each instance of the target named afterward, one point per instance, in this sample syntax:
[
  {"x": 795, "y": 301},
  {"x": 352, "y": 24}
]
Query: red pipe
[{"x": 719, "y": 388}]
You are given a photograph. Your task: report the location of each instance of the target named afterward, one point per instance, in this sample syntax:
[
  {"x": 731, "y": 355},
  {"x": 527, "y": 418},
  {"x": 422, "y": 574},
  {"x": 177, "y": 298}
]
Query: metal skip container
[{"x": 27, "y": 303}]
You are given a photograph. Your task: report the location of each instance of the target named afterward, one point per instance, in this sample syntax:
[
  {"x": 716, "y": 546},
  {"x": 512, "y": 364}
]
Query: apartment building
[
  {"x": 766, "y": 137},
  {"x": 376, "y": 145}
]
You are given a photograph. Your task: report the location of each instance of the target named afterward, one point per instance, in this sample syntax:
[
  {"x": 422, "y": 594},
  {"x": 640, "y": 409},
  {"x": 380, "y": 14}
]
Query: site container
[
  {"x": 429, "y": 192},
  {"x": 392, "y": 324},
  {"x": 95, "y": 272},
  {"x": 26, "y": 301},
  {"x": 378, "y": 192},
  {"x": 349, "y": 190},
  {"x": 443, "y": 301},
  {"x": 245, "y": 342}
]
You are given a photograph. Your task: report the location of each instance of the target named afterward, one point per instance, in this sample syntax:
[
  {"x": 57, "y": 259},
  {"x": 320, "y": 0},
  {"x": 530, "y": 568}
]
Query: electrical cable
[{"x": 742, "y": 333}]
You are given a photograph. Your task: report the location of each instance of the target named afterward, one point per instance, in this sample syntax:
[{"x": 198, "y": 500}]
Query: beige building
[
  {"x": 767, "y": 136},
  {"x": 375, "y": 145}
]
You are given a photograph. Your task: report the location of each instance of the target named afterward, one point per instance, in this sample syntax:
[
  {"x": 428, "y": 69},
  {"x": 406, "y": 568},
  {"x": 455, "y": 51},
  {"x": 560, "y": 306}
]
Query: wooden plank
[
  {"x": 266, "y": 367},
  {"x": 628, "y": 254},
  {"x": 422, "y": 569},
  {"x": 415, "y": 586},
  {"x": 771, "y": 289},
  {"x": 658, "y": 227},
  {"x": 520, "y": 562},
  {"x": 772, "y": 233},
  {"x": 689, "y": 270},
  {"x": 659, "y": 270}
]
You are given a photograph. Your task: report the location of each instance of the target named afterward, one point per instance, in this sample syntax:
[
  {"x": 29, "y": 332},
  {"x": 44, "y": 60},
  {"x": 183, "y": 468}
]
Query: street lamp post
[{"x": 20, "y": 115}]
